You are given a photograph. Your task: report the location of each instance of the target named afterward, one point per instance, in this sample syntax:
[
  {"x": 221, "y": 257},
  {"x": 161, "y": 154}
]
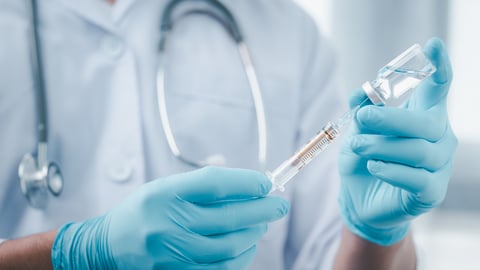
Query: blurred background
[{"x": 368, "y": 34}]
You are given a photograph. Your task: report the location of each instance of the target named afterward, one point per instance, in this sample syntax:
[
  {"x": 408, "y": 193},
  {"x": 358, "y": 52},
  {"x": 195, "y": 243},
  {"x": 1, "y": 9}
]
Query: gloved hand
[
  {"x": 211, "y": 218},
  {"x": 397, "y": 162}
]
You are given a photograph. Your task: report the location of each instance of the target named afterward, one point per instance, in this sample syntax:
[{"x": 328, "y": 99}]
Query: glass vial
[{"x": 397, "y": 79}]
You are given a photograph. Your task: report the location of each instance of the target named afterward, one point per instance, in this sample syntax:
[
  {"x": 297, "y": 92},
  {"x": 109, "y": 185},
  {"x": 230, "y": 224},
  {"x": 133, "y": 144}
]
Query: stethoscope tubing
[
  {"x": 226, "y": 19},
  {"x": 38, "y": 74}
]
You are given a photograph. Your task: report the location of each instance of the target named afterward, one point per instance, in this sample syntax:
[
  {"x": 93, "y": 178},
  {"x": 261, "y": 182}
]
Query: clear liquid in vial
[
  {"x": 395, "y": 84},
  {"x": 397, "y": 79}
]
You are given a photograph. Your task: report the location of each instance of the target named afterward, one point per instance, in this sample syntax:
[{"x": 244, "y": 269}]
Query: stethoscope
[
  {"x": 39, "y": 177},
  {"x": 221, "y": 14}
]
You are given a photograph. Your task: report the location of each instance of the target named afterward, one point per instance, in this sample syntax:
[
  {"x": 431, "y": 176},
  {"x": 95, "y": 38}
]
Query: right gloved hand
[
  {"x": 397, "y": 163},
  {"x": 210, "y": 218}
]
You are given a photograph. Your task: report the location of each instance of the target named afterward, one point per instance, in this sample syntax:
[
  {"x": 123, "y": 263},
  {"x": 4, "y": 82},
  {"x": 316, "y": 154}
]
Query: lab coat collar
[
  {"x": 121, "y": 8},
  {"x": 100, "y": 12}
]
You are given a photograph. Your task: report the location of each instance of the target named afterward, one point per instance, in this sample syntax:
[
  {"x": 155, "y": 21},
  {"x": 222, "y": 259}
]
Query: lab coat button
[
  {"x": 120, "y": 172},
  {"x": 113, "y": 46}
]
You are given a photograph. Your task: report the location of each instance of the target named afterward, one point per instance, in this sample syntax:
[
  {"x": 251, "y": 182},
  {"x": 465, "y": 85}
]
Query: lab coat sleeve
[{"x": 315, "y": 226}]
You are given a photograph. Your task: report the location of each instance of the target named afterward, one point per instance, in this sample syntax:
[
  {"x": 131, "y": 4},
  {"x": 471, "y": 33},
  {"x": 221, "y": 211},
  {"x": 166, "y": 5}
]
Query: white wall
[
  {"x": 464, "y": 43},
  {"x": 368, "y": 34},
  {"x": 465, "y": 53}
]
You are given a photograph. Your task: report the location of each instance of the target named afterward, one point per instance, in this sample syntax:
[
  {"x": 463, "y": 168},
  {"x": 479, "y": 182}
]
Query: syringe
[
  {"x": 392, "y": 87},
  {"x": 289, "y": 168}
]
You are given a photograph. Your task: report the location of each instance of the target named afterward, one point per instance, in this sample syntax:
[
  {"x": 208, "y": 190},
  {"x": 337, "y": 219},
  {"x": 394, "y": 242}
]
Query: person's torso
[{"x": 104, "y": 126}]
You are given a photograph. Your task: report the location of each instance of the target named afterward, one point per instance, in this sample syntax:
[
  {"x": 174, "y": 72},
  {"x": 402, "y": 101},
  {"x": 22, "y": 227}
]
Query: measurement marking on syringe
[{"x": 311, "y": 148}]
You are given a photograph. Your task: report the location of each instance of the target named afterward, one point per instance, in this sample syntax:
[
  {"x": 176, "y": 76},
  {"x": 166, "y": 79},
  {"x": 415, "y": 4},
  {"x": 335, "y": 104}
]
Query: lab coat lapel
[
  {"x": 98, "y": 12},
  {"x": 120, "y": 9}
]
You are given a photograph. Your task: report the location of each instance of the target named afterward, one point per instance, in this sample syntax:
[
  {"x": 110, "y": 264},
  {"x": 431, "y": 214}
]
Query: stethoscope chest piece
[{"x": 37, "y": 181}]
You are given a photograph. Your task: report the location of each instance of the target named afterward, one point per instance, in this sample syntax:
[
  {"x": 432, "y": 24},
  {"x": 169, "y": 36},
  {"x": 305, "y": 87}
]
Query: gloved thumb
[{"x": 435, "y": 89}]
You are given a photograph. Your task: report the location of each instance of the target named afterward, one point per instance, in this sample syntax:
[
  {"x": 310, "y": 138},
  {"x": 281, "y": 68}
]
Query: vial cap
[{"x": 371, "y": 93}]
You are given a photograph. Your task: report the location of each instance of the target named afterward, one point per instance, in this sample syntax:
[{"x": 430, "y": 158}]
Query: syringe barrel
[{"x": 288, "y": 169}]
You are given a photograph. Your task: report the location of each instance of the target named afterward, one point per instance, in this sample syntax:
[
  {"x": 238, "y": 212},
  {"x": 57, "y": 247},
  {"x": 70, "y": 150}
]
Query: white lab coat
[{"x": 104, "y": 127}]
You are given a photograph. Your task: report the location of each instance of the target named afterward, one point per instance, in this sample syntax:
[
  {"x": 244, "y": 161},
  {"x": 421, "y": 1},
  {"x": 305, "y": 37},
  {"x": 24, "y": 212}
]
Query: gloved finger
[
  {"x": 211, "y": 184},
  {"x": 414, "y": 152},
  {"x": 240, "y": 262},
  {"x": 210, "y": 249},
  {"x": 435, "y": 88},
  {"x": 429, "y": 125},
  {"x": 431, "y": 186},
  {"x": 231, "y": 216},
  {"x": 358, "y": 97}
]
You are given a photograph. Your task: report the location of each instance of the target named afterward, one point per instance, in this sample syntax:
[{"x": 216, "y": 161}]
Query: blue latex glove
[
  {"x": 397, "y": 162},
  {"x": 206, "y": 219}
]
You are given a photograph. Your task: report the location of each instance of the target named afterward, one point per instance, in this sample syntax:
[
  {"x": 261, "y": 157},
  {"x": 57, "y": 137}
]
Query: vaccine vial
[{"x": 397, "y": 79}]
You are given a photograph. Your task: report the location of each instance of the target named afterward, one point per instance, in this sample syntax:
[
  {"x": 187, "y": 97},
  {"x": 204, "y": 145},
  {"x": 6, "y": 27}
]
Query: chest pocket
[
  {"x": 208, "y": 124},
  {"x": 209, "y": 99}
]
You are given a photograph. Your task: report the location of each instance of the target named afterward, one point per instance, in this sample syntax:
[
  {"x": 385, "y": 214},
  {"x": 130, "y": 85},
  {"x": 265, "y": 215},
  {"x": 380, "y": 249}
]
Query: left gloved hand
[{"x": 397, "y": 162}]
